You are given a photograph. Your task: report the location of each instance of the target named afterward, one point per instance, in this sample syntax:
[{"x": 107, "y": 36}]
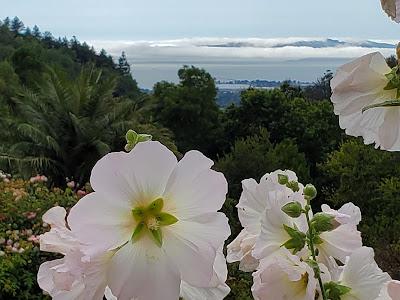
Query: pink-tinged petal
[
  {"x": 240, "y": 249},
  {"x": 339, "y": 243},
  {"x": 390, "y": 291},
  {"x": 59, "y": 239},
  {"x": 136, "y": 176},
  {"x": 363, "y": 276},
  {"x": 192, "y": 245},
  {"x": 142, "y": 271},
  {"x": 101, "y": 221},
  {"x": 357, "y": 85},
  {"x": 59, "y": 285},
  {"x": 347, "y": 214},
  {"x": 193, "y": 188},
  {"x": 282, "y": 277}
]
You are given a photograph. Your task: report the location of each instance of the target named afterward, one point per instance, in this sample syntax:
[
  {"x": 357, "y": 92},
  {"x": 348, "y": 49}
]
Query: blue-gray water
[{"x": 148, "y": 73}]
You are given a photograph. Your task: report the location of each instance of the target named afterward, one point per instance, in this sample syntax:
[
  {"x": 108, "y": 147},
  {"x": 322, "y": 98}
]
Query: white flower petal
[
  {"x": 134, "y": 176},
  {"x": 363, "y": 276},
  {"x": 347, "y": 214},
  {"x": 339, "y": 243},
  {"x": 101, "y": 221},
  {"x": 193, "y": 188},
  {"x": 142, "y": 271},
  {"x": 192, "y": 244},
  {"x": 240, "y": 249}
]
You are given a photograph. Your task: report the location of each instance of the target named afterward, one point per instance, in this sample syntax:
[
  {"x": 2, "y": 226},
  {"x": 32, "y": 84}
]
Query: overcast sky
[{"x": 166, "y": 19}]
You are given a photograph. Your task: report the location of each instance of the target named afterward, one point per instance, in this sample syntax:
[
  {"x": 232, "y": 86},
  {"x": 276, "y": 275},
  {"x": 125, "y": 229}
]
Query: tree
[
  {"x": 189, "y": 109},
  {"x": 28, "y": 31},
  {"x": 123, "y": 65},
  {"x": 65, "y": 127},
  {"x": 17, "y": 25},
  {"x": 7, "y": 22},
  {"x": 321, "y": 89},
  {"x": 36, "y": 32}
]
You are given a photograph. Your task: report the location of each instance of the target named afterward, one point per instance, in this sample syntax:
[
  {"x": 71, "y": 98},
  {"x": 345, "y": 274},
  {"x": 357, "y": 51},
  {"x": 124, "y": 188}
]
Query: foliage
[
  {"x": 189, "y": 109},
  {"x": 369, "y": 178},
  {"x": 22, "y": 205},
  {"x": 65, "y": 127}
]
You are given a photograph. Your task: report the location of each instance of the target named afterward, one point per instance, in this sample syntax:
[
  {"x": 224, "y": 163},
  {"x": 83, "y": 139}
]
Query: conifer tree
[
  {"x": 36, "y": 32},
  {"x": 17, "y": 25},
  {"x": 123, "y": 65}
]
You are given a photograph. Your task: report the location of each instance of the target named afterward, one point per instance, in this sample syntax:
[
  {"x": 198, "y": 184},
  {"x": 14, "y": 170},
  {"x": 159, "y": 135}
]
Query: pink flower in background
[
  {"x": 71, "y": 184},
  {"x": 81, "y": 193}
]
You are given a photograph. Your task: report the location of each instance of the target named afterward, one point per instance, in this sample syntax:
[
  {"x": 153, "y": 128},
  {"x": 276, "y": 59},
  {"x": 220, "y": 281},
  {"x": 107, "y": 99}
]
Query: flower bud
[
  {"x": 322, "y": 222},
  {"x": 293, "y": 185},
  {"x": 310, "y": 192},
  {"x": 293, "y": 209},
  {"x": 283, "y": 179}
]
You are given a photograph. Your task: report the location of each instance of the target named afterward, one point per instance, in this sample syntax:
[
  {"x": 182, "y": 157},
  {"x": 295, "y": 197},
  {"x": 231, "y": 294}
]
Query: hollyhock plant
[
  {"x": 252, "y": 203},
  {"x": 159, "y": 217},
  {"x": 364, "y": 95},
  {"x": 392, "y": 8}
]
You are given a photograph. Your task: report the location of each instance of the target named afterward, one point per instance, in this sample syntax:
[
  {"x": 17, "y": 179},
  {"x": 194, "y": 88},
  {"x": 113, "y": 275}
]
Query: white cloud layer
[{"x": 223, "y": 49}]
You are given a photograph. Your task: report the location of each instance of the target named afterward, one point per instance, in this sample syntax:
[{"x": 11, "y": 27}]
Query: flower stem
[{"x": 312, "y": 249}]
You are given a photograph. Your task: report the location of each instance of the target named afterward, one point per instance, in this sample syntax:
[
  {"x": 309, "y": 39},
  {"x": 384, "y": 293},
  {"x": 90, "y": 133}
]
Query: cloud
[{"x": 242, "y": 49}]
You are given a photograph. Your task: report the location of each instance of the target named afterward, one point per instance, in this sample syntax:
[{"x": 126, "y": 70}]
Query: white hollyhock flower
[
  {"x": 284, "y": 276},
  {"x": 255, "y": 198},
  {"x": 274, "y": 226},
  {"x": 392, "y": 8},
  {"x": 359, "y": 84},
  {"x": 158, "y": 215},
  {"x": 347, "y": 214},
  {"x": 362, "y": 275},
  {"x": 390, "y": 291},
  {"x": 342, "y": 241},
  {"x": 76, "y": 276}
]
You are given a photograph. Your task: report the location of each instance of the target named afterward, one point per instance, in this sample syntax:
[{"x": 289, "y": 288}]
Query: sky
[
  {"x": 232, "y": 39},
  {"x": 171, "y": 19}
]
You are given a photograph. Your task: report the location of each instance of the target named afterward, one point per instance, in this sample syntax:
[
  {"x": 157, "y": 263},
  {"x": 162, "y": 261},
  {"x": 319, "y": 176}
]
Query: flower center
[{"x": 150, "y": 219}]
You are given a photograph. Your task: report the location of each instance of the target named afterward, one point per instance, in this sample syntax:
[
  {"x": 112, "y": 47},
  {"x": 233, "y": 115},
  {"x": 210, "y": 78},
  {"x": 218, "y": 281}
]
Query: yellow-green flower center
[{"x": 151, "y": 219}]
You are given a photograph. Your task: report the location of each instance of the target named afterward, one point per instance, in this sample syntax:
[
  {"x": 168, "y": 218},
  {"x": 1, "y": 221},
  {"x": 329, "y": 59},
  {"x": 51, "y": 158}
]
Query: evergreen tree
[
  {"x": 36, "y": 32},
  {"x": 28, "y": 31},
  {"x": 7, "y": 22},
  {"x": 17, "y": 25},
  {"x": 123, "y": 65}
]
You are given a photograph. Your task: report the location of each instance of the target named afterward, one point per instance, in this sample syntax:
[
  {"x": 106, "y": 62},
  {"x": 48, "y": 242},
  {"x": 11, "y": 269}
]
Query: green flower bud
[
  {"x": 310, "y": 192},
  {"x": 322, "y": 222},
  {"x": 293, "y": 209},
  {"x": 293, "y": 185},
  {"x": 283, "y": 179},
  {"x": 133, "y": 138}
]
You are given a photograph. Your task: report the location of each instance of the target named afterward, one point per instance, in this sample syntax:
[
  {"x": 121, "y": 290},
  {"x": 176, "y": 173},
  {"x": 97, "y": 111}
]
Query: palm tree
[{"x": 64, "y": 127}]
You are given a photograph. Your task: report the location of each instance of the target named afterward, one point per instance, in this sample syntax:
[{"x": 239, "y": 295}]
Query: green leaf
[
  {"x": 297, "y": 241},
  {"x": 144, "y": 137},
  {"x": 138, "y": 231},
  {"x": 156, "y": 206},
  {"x": 388, "y": 103},
  {"x": 166, "y": 219},
  {"x": 335, "y": 291},
  {"x": 131, "y": 137},
  {"x": 157, "y": 236}
]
